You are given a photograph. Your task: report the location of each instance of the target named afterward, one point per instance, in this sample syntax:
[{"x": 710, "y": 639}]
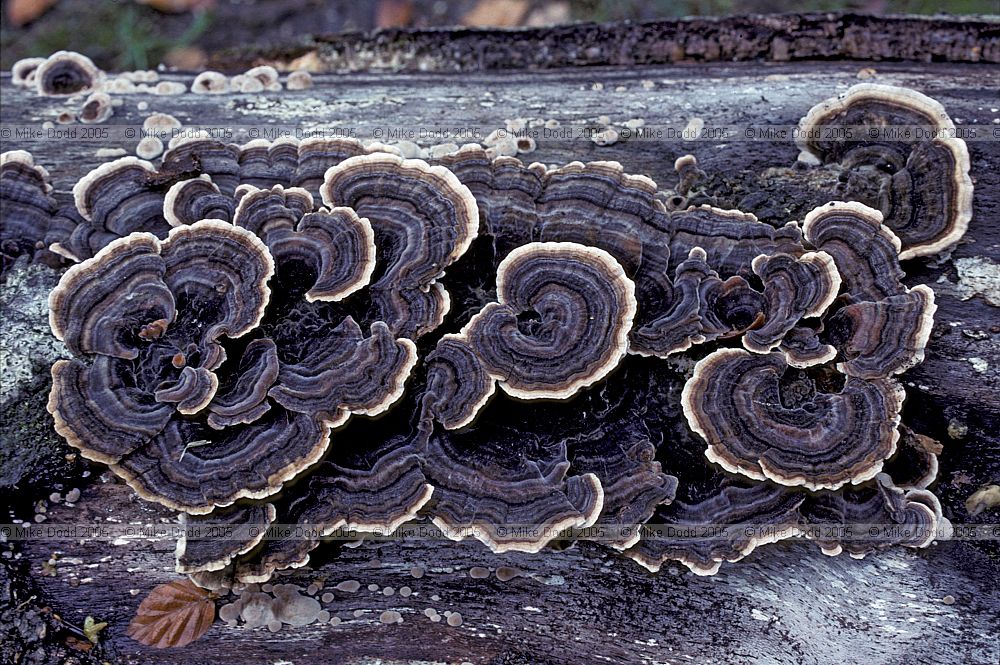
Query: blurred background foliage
[{"x": 139, "y": 34}]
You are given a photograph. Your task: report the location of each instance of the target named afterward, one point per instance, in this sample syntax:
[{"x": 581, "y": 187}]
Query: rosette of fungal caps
[{"x": 490, "y": 345}]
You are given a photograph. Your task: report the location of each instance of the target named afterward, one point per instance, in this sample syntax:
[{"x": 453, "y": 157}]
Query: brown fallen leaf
[
  {"x": 496, "y": 14},
  {"x": 20, "y": 12},
  {"x": 173, "y": 615},
  {"x": 77, "y": 644},
  {"x": 393, "y": 13}
]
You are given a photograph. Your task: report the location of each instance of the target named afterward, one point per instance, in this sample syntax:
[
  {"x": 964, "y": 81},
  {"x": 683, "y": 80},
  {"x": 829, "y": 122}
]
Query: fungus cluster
[
  {"x": 240, "y": 314},
  {"x": 62, "y": 74},
  {"x": 67, "y": 74},
  {"x": 921, "y": 177},
  {"x": 32, "y": 220}
]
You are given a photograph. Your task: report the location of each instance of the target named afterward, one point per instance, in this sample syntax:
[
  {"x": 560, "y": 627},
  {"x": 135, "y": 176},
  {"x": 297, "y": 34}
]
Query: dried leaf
[
  {"x": 393, "y": 13},
  {"x": 91, "y": 628},
  {"x": 496, "y": 14},
  {"x": 20, "y": 12},
  {"x": 78, "y": 645},
  {"x": 173, "y": 615}
]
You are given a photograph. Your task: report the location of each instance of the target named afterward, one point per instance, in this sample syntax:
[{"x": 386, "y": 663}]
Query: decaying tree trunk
[{"x": 786, "y": 603}]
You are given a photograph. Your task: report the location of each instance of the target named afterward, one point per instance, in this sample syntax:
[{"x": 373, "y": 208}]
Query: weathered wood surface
[
  {"x": 782, "y": 37},
  {"x": 786, "y": 603}
]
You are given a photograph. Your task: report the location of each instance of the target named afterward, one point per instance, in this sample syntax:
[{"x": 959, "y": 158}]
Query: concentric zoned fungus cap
[
  {"x": 878, "y": 327},
  {"x": 762, "y": 422},
  {"x": 865, "y": 251},
  {"x": 729, "y": 307},
  {"x": 247, "y": 524},
  {"x": 510, "y": 502},
  {"x": 261, "y": 211},
  {"x": 346, "y": 372},
  {"x": 123, "y": 196},
  {"x": 923, "y": 181},
  {"x": 189, "y": 201},
  {"x": 595, "y": 204},
  {"x": 265, "y": 163},
  {"x": 153, "y": 312},
  {"x": 678, "y": 327},
  {"x": 210, "y": 83},
  {"x": 880, "y": 510},
  {"x": 96, "y": 108},
  {"x": 424, "y": 220},
  {"x": 203, "y": 155},
  {"x": 242, "y": 397},
  {"x": 66, "y": 73},
  {"x": 26, "y": 209},
  {"x": 794, "y": 288},
  {"x": 74, "y": 237},
  {"x": 803, "y": 347},
  {"x": 877, "y": 339},
  {"x": 316, "y": 156},
  {"x": 632, "y": 481},
  {"x": 375, "y": 497},
  {"x": 336, "y": 246},
  {"x": 600, "y": 205},
  {"x": 194, "y": 468},
  {"x": 22, "y": 73},
  {"x": 458, "y": 384},
  {"x": 754, "y": 515},
  {"x": 731, "y": 239},
  {"x": 561, "y": 323}
]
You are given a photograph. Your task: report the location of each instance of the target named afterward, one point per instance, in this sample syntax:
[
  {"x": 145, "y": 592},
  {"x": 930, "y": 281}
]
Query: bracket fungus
[
  {"x": 916, "y": 513},
  {"x": 883, "y": 337},
  {"x": 122, "y": 196},
  {"x": 198, "y": 555},
  {"x": 764, "y": 424},
  {"x": 424, "y": 219},
  {"x": 210, "y": 83},
  {"x": 922, "y": 177},
  {"x": 27, "y": 209},
  {"x": 794, "y": 288},
  {"x": 878, "y": 327},
  {"x": 245, "y": 314},
  {"x": 188, "y": 201},
  {"x": 67, "y": 73},
  {"x": 864, "y": 250},
  {"x": 96, "y": 108},
  {"x": 560, "y": 323},
  {"x": 144, "y": 318},
  {"x": 22, "y": 72},
  {"x": 753, "y": 516}
]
